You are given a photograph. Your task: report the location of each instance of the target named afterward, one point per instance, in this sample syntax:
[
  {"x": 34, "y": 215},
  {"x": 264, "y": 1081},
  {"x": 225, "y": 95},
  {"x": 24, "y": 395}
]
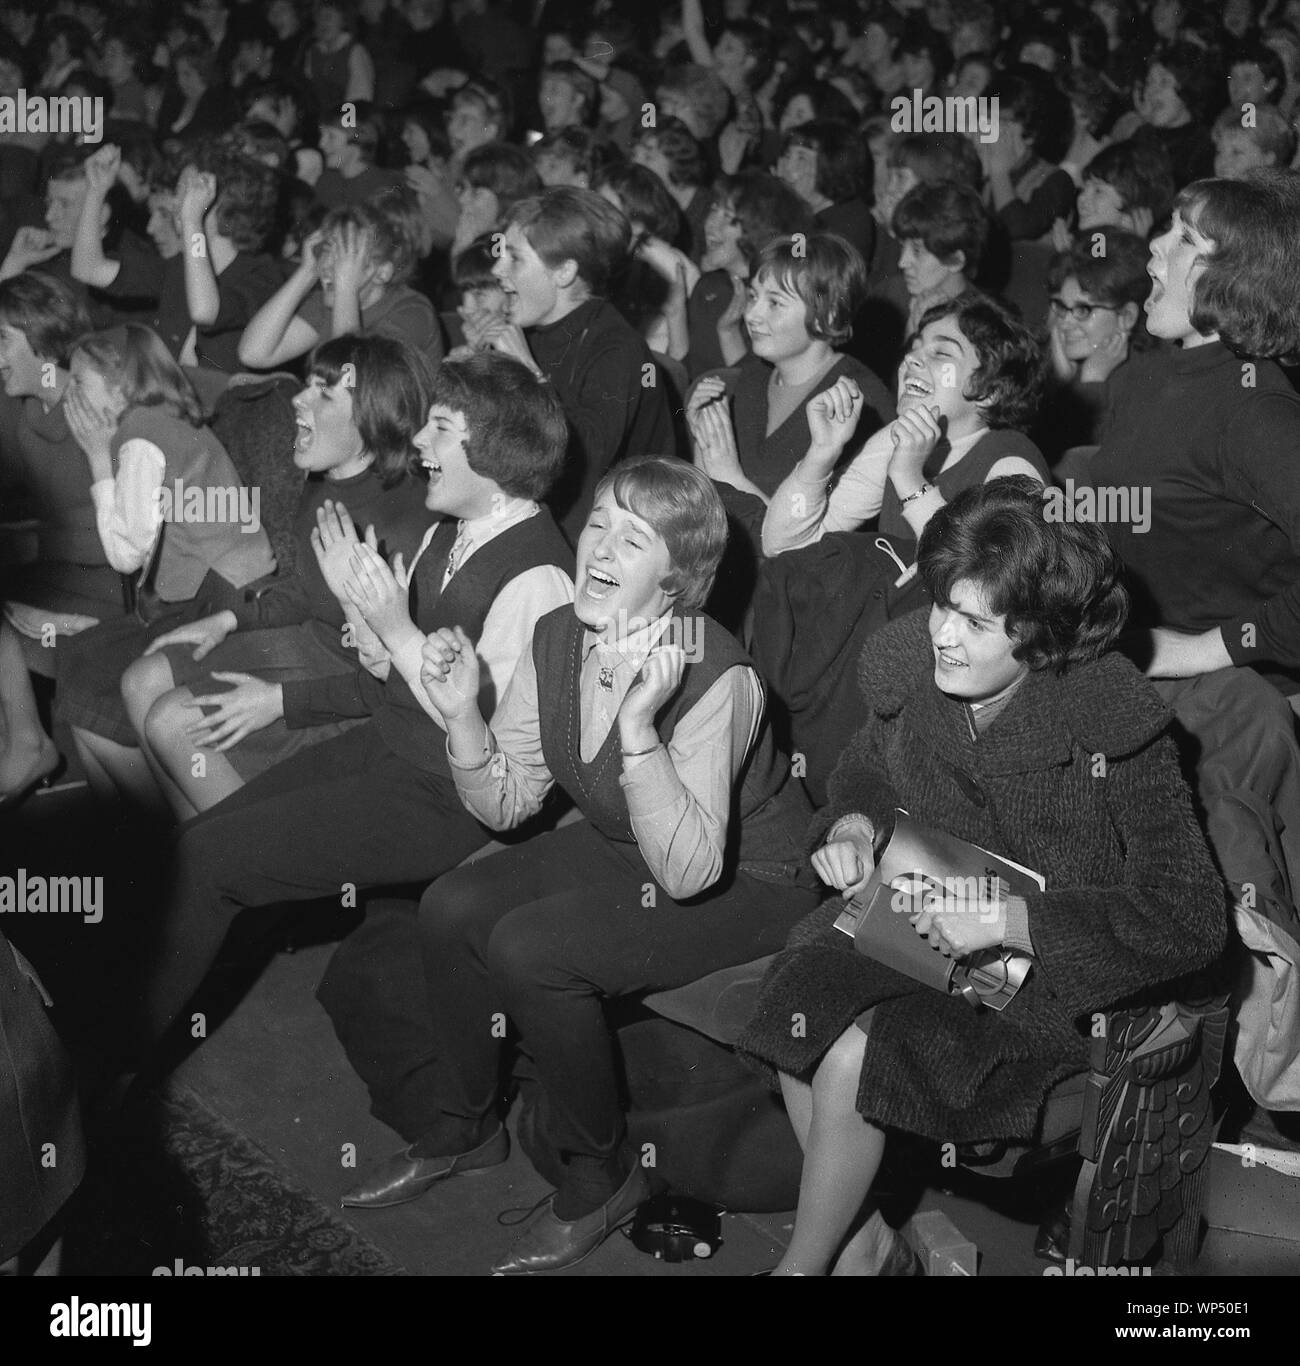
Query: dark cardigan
[{"x": 1076, "y": 778}]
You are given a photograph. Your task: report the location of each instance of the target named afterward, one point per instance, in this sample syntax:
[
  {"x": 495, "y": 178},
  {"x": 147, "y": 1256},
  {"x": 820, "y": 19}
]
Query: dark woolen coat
[{"x": 1078, "y": 779}]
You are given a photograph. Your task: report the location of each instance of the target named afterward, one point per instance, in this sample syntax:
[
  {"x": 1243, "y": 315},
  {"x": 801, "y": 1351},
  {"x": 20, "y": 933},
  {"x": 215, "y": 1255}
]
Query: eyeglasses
[{"x": 1081, "y": 313}]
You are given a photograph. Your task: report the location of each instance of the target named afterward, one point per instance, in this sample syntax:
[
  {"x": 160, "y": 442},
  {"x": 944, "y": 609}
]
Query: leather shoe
[
  {"x": 550, "y": 1244},
  {"x": 403, "y": 1177}
]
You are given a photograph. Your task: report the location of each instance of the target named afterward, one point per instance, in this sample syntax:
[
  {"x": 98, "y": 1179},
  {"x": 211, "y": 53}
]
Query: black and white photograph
[{"x": 650, "y": 640}]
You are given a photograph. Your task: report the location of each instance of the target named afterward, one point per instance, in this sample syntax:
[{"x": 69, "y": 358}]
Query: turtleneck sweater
[{"x": 1211, "y": 440}]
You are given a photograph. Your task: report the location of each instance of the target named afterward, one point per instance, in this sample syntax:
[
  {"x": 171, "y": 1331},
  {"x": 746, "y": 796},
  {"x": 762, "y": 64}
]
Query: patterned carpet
[{"x": 180, "y": 1184}]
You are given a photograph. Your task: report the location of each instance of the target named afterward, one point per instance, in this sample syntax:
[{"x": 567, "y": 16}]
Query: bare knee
[
  {"x": 840, "y": 1071},
  {"x": 143, "y": 682},
  {"x": 166, "y": 719}
]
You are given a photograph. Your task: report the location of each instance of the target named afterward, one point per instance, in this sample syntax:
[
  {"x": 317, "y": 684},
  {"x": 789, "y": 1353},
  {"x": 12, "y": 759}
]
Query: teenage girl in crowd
[
  {"x": 215, "y": 685},
  {"x": 152, "y": 462}
]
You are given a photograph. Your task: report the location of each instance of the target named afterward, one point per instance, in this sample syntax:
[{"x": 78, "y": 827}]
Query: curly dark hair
[
  {"x": 1009, "y": 378},
  {"x": 1058, "y": 583}
]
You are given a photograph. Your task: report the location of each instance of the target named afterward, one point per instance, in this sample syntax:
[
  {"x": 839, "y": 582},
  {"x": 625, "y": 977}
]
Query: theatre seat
[{"x": 1140, "y": 1117}]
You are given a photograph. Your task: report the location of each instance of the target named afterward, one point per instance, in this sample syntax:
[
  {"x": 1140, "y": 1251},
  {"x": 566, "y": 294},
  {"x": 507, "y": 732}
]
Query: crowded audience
[{"x": 420, "y": 422}]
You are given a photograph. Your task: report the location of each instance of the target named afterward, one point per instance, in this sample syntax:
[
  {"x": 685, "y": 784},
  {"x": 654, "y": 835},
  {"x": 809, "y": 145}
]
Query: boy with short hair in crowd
[
  {"x": 204, "y": 296},
  {"x": 561, "y": 249}
]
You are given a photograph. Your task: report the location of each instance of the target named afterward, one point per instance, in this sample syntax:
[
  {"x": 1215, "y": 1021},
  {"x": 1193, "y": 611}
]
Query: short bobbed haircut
[
  {"x": 1249, "y": 292},
  {"x": 843, "y": 170},
  {"x": 1140, "y": 172},
  {"x": 517, "y": 434},
  {"x": 1057, "y": 583},
  {"x": 1009, "y": 378},
  {"x": 933, "y": 157},
  {"x": 683, "y": 506},
  {"x": 827, "y": 273},
  {"x": 568, "y": 224},
  {"x": 1116, "y": 277},
  {"x": 766, "y": 207},
  {"x": 391, "y": 386},
  {"x": 644, "y": 199},
  {"x": 946, "y": 218},
  {"x": 135, "y": 360},
  {"x": 46, "y": 312}
]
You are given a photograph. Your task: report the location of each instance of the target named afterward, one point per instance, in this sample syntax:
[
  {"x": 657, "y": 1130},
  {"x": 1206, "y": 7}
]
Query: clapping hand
[
  {"x": 333, "y": 541},
  {"x": 450, "y": 672},
  {"x": 378, "y": 592},
  {"x": 833, "y": 416},
  {"x": 713, "y": 438},
  {"x": 915, "y": 433},
  {"x": 659, "y": 679}
]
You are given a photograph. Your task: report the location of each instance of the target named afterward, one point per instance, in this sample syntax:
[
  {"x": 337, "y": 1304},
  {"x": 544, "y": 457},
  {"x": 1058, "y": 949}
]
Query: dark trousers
[
  {"x": 347, "y": 812},
  {"x": 375, "y": 995},
  {"x": 542, "y": 935}
]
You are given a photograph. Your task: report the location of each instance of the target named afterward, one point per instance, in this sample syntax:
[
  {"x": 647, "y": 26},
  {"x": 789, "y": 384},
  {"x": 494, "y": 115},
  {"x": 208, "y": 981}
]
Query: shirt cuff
[
  {"x": 854, "y": 824},
  {"x": 1016, "y": 934},
  {"x": 477, "y": 773}
]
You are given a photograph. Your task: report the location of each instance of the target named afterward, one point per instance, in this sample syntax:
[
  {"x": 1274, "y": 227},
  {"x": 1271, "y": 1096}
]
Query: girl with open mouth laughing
[{"x": 689, "y": 859}]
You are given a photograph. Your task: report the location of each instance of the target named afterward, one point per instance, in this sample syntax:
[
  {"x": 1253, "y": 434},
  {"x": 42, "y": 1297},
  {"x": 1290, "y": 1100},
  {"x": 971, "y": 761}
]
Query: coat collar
[{"x": 1104, "y": 707}]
